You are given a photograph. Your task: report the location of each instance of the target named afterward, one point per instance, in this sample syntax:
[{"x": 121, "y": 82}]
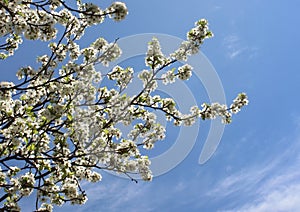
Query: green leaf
[
  {"x": 35, "y": 131},
  {"x": 106, "y": 131},
  {"x": 29, "y": 109},
  {"x": 31, "y": 147},
  {"x": 23, "y": 97},
  {"x": 9, "y": 113},
  {"x": 3, "y": 56},
  {"x": 67, "y": 79},
  {"x": 21, "y": 14},
  {"x": 44, "y": 119},
  {"x": 69, "y": 117},
  {"x": 26, "y": 140}
]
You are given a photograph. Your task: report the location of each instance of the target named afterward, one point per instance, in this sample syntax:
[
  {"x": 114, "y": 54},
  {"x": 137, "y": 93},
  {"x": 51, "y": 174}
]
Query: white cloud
[
  {"x": 241, "y": 181},
  {"x": 231, "y": 43},
  {"x": 235, "y": 53},
  {"x": 280, "y": 193},
  {"x": 180, "y": 186},
  {"x": 281, "y": 199},
  {"x": 235, "y": 47},
  {"x": 231, "y": 39},
  {"x": 117, "y": 193},
  {"x": 113, "y": 194},
  {"x": 274, "y": 186}
]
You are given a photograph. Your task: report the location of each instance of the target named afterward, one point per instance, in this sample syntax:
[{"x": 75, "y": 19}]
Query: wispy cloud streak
[
  {"x": 273, "y": 186},
  {"x": 235, "y": 47}
]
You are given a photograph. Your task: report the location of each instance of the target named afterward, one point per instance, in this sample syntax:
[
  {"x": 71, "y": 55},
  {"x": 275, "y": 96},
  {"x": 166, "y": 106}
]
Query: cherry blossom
[{"x": 58, "y": 127}]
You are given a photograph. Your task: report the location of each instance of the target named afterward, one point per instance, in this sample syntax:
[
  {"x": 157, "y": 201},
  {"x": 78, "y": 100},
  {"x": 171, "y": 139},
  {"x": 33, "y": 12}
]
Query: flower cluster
[
  {"x": 214, "y": 110},
  {"x": 91, "y": 14},
  {"x": 199, "y": 33},
  {"x": 38, "y": 20},
  {"x": 122, "y": 76},
  {"x": 169, "y": 77},
  {"x": 148, "y": 80},
  {"x": 185, "y": 72},
  {"x": 154, "y": 57},
  {"x": 195, "y": 38},
  {"x": 60, "y": 127},
  {"x": 118, "y": 10},
  {"x": 110, "y": 53},
  {"x": 240, "y": 101}
]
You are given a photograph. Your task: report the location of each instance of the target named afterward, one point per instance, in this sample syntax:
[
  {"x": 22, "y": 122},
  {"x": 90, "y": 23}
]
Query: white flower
[
  {"x": 46, "y": 207},
  {"x": 185, "y": 72},
  {"x": 122, "y": 76},
  {"x": 64, "y": 122},
  {"x": 154, "y": 57},
  {"x": 26, "y": 182},
  {"x": 118, "y": 11},
  {"x": 195, "y": 38},
  {"x": 168, "y": 77},
  {"x": 240, "y": 101}
]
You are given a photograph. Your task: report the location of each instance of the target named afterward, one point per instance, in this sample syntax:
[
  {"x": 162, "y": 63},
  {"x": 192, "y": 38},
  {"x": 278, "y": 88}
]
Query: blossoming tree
[{"x": 58, "y": 127}]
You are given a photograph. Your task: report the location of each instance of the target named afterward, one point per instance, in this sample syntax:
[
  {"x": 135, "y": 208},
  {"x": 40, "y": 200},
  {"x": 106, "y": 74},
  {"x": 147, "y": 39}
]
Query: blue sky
[{"x": 255, "y": 168}]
